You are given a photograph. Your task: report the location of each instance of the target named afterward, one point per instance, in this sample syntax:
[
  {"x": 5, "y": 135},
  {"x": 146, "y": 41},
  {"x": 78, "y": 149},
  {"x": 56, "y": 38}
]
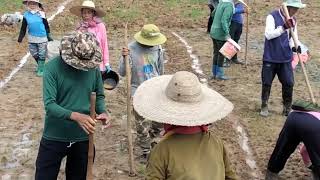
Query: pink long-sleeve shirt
[{"x": 101, "y": 34}]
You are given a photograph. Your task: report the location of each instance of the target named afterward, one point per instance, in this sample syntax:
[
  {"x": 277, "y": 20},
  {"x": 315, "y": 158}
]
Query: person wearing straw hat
[
  {"x": 278, "y": 55},
  {"x": 92, "y": 22},
  {"x": 146, "y": 57},
  {"x": 302, "y": 125},
  {"x": 186, "y": 108},
  {"x": 220, "y": 33},
  {"x": 35, "y": 22},
  {"x": 68, "y": 81}
]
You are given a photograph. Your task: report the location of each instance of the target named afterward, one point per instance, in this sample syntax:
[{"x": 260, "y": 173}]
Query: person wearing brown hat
[
  {"x": 91, "y": 22},
  {"x": 146, "y": 57},
  {"x": 185, "y": 107},
  {"x": 35, "y": 22},
  {"x": 68, "y": 82}
]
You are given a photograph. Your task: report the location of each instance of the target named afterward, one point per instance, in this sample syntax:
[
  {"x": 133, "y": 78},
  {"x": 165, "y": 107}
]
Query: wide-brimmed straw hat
[
  {"x": 37, "y": 1},
  {"x": 76, "y": 10},
  {"x": 81, "y": 50},
  {"x": 295, "y": 3},
  {"x": 181, "y": 100},
  {"x": 150, "y": 35}
]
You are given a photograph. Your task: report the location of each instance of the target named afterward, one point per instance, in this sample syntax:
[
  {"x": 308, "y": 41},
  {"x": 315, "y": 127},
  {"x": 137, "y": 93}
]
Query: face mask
[{"x": 33, "y": 11}]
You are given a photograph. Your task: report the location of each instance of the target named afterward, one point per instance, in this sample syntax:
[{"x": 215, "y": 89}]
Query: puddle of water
[
  {"x": 25, "y": 58},
  {"x": 196, "y": 66}
]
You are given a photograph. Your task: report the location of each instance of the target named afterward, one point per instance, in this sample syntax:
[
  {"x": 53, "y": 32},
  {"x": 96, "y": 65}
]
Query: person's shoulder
[
  {"x": 26, "y": 13},
  {"x": 214, "y": 138},
  {"x": 53, "y": 63}
]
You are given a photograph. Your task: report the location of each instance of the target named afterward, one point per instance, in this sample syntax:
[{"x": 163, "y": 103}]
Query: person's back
[{"x": 189, "y": 157}]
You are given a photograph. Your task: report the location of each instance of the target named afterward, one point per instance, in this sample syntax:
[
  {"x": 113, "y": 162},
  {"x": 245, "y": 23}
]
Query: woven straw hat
[
  {"x": 81, "y": 51},
  {"x": 181, "y": 100},
  {"x": 76, "y": 10},
  {"x": 150, "y": 35}
]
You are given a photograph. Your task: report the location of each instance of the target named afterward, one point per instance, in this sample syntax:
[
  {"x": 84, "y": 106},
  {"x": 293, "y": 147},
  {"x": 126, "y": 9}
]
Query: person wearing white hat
[
  {"x": 186, "y": 108},
  {"x": 92, "y": 22},
  {"x": 146, "y": 57},
  {"x": 35, "y": 22},
  {"x": 278, "y": 55}
]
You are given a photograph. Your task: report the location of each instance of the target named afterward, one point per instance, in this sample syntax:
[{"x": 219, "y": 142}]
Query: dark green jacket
[
  {"x": 222, "y": 20},
  {"x": 67, "y": 90}
]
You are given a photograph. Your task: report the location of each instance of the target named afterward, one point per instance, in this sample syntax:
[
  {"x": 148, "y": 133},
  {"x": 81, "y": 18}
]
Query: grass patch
[
  {"x": 194, "y": 13},
  {"x": 10, "y": 6}
]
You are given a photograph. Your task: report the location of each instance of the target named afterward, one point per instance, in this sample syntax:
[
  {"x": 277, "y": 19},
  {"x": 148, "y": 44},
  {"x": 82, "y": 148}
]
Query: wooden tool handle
[
  {"x": 296, "y": 44},
  {"x": 91, "y": 138}
]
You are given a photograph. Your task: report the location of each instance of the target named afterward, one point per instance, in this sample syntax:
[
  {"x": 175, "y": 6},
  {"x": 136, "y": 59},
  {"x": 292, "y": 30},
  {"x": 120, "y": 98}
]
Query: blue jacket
[
  {"x": 237, "y": 16},
  {"x": 35, "y": 24}
]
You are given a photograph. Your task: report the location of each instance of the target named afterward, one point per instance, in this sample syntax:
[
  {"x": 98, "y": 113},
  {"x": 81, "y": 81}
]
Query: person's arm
[
  {"x": 47, "y": 27},
  {"x": 50, "y": 91},
  {"x": 100, "y": 97},
  {"x": 271, "y": 32},
  {"x": 230, "y": 174},
  {"x": 156, "y": 165},
  {"x": 226, "y": 18},
  {"x": 296, "y": 34},
  {"x": 23, "y": 30},
  {"x": 104, "y": 44},
  {"x": 161, "y": 61},
  {"x": 122, "y": 63}
]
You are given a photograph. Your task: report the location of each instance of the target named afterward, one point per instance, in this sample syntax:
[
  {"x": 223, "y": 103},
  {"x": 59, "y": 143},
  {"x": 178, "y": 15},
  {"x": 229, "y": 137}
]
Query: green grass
[
  {"x": 10, "y": 6},
  {"x": 194, "y": 13}
]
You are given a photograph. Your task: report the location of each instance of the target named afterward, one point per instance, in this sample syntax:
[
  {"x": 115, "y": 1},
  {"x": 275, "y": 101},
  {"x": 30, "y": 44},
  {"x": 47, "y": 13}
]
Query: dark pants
[
  {"x": 284, "y": 72},
  {"x": 235, "y": 33},
  {"x": 51, "y": 154},
  {"x": 299, "y": 127},
  {"x": 218, "y": 58},
  {"x": 210, "y": 20}
]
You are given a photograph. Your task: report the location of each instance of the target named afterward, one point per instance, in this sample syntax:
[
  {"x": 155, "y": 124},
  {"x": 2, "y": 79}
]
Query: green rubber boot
[{"x": 40, "y": 68}]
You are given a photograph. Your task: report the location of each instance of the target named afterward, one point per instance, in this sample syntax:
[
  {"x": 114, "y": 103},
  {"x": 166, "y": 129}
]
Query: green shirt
[
  {"x": 200, "y": 156},
  {"x": 67, "y": 90},
  {"x": 222, "y": 20}
]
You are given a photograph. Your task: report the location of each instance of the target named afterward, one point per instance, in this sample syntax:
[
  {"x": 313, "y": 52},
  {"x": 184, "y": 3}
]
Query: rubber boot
[
  {"x": 287, "y": 99},
  {"x": 220, "y": 74},
  {"x": 264, "y": 98},
  {"x": 40, "y": 68},
  {"x": 271, "y": 176},
  {"x": 214, "y": 72}
]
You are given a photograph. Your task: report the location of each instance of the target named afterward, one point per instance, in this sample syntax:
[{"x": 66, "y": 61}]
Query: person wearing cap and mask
[
  {"x": 35, "y": 22},
  {"x": 146, "y": 57},
  {"x": 91, "y": 22},
  {"x": 185, "y": 108},
  {"x": 301, "y": 126},
  {"x": 68, "y": 81},
  {"x": 278, "y": 55},
  {"x": 220, "y": 33}
]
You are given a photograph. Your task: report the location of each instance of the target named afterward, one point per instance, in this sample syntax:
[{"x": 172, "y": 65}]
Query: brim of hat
[
  {"x": 161, "y": 39},
  {"x": 241, "y": 1},
  {"x": 77, "y": 11},
  {"x": 296, "y": 5},
  {"x": 25, "y": 2},
  {"x": 151, "y": 103}
]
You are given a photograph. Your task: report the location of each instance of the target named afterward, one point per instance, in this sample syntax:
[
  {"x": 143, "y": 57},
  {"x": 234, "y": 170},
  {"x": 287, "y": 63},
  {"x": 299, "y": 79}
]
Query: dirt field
[{"x": 22, "y": 110}]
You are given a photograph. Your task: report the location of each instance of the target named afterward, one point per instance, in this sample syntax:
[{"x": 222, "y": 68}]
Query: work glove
[
  {"x": 108, "y": 68},
  {"x": 288, "y": 24},
  {"x": 49, "y": 37},
  {"x": 296, "y": 50}
]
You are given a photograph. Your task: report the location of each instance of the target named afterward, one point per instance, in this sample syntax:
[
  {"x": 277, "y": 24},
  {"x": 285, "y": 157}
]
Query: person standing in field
[
  {"x": 35, "y": 22},
  {"x": 278, "y": 55},
  {"x": 91, "y": 22},
  {"x": 146, "y": 57}
]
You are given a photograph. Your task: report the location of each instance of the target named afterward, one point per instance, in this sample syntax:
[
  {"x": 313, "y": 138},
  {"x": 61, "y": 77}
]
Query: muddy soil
[{"x": 22, "y": 110}]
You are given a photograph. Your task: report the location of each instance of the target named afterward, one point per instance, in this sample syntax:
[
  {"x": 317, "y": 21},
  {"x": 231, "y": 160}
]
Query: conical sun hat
[
  {"x": 181, "y": 100},
  {"x": 295, "y": 3},
  {"x": 76, "y": 10},
  {"x": 37, "y": 1},
  {"x": 150, "y": 35}
]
